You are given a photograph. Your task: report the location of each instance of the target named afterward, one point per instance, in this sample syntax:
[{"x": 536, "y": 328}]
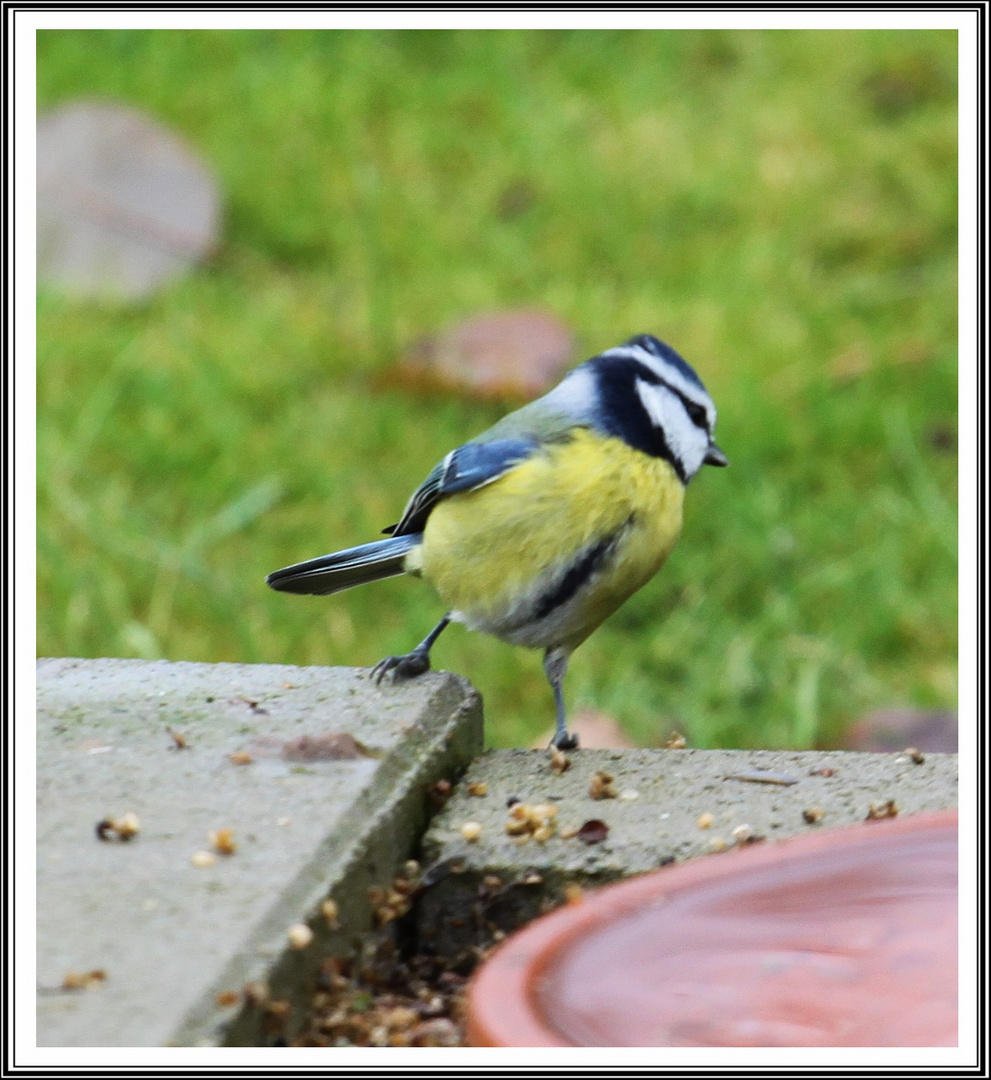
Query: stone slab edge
[{"x": 396, "y": 811}]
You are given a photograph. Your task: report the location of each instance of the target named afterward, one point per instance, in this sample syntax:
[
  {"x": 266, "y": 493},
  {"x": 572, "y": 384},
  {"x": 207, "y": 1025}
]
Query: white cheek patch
[{"x": 687, "y": 442}]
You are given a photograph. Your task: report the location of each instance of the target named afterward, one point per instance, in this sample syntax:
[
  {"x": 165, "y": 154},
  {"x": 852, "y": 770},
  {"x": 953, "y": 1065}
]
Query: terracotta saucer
[{"x": 845, "y": 938}]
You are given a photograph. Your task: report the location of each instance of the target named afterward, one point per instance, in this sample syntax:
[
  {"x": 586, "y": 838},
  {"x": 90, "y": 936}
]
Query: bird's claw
[
  {"x": 563, "y": 741},
  {"x": 407, "y": 666}
]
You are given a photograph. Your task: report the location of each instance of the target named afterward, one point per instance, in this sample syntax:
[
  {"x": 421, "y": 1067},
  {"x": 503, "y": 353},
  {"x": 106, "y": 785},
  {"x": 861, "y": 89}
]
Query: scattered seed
[
  {"x": 705, "y": 821},
  {"x": 401, "y": 1017},
  {"x": 222, "y": 841},
  {"x": 525, "y": 821},
  {"x": 378, "y": 996},
  {"x": 203, "y": 858},
  {"x": 915, "y": 754},
  {"x": 331, "y": 975},
  {"x": 471, "y": 831},
  {"x": 433, "y": 1004},
  {"x": 256, "y": 993},
  {"x": 628, "y": 795},
  {"x": 601, "y": 786},
  {"x": 178, "y": 740},
  {"x": 83, "y": 980},
  {"x": 252, "y": 705},
  {"x": 543, "y": 833},
  {"x": 675, "y": 741},
  {"x": 128, "y": 825},
  {"x": 824, "y": 771},
  {"x": 560, "y": 762},
  {"x": 392, "y": 903},
  {"x": 742, "y": 834},
  {"x": 479, "y": 789},
  {"x": 125, "y": 827},
  {"x": 519, "y": 814},
  {"x": 879, "y": 811},
  {"x": 439, "y": 792},
  {"x": 573, "y": 893},
  {"x": 226, "y": 998},
  {"x": 437, "y": 1032},
  {"x": 717, "y": 844},
  {"x": 240, "y": 757},
  {"x": 328, "y": 909},
  {"x": 300, "y": 936},
  {"x": 812, "y": 815},
  {"x": 277, "y": 1015}
]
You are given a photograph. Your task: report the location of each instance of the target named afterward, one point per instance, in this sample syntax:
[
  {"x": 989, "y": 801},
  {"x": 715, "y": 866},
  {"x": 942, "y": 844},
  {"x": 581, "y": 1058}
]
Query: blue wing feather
[{"x": 470, "y": 466}]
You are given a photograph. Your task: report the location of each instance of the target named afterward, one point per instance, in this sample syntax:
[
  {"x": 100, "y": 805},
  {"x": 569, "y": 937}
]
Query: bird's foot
[
  {"x": 563, "y": 741},
  {"x": 407, "y": 666}
]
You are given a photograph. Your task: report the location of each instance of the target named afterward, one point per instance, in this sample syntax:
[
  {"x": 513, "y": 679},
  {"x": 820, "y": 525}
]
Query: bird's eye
[{"x": 697, "y": 414}]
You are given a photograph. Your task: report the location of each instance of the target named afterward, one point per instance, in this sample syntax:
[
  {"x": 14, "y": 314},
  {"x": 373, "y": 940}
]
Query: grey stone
[{"x": 171, "y": 936}]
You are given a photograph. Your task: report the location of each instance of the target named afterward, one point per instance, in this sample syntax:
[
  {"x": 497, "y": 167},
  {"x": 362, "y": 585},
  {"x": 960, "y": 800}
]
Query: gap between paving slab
[
  {"x": 664, "y": 798},
  {"x": 171, "y": 936}
]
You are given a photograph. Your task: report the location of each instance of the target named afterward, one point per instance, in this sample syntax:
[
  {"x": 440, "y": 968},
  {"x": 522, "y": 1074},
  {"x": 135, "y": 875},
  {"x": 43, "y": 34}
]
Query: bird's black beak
[{"x": 715, "y": 456}]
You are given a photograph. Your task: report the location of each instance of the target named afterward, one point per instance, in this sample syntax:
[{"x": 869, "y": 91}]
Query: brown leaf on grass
[{"x": 502, "y": 355}]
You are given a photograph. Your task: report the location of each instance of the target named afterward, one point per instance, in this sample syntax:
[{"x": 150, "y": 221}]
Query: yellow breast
[{"x": 491, "y": 551}]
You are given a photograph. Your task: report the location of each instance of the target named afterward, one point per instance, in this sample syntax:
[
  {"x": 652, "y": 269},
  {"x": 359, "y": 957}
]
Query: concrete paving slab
[
  {"x": 669, "y": 805},
  {"x": 172, "y": 938}
]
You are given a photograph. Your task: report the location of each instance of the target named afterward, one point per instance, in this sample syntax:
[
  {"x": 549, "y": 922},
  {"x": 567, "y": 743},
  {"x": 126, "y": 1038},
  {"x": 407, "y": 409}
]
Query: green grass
[{"x": 779, "y": 205}]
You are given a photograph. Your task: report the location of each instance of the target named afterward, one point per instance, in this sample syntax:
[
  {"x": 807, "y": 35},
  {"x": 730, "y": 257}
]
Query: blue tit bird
[{"x": 541, "y": 527}]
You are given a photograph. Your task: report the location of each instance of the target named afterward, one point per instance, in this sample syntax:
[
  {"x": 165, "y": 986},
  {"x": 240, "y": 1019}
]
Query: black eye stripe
[{"x": 696, "y": 412}]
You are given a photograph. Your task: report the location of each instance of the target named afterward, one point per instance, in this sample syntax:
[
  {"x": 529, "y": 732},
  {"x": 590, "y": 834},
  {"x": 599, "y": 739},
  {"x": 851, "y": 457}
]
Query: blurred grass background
[{"x": 778, "y": 205}]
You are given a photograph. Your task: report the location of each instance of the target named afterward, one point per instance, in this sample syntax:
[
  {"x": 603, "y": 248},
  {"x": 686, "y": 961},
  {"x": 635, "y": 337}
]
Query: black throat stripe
[{"x": 624, "y": 414}]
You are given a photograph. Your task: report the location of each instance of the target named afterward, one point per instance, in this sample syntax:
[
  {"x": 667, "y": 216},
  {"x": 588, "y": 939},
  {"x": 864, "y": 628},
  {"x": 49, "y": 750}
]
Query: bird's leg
[
  {"x": 412, "y": 663},
  {"x": 555, "y": 665}
]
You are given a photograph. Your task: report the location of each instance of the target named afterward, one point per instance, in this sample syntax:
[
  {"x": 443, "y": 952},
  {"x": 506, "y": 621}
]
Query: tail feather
[{"x": 344, "y": 569}]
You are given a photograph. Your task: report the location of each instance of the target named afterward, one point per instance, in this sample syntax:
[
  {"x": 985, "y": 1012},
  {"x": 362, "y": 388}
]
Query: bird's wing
[{"x": 470, "y": 466}]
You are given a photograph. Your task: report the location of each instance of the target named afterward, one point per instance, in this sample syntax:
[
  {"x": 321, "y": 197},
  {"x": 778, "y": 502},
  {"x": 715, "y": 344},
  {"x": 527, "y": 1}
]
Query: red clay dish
[{"x": 845, "y": 938}]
